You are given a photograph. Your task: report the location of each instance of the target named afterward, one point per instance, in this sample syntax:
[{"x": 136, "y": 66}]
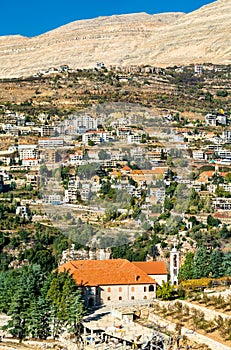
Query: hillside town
[{"x": 133, "y": 202}]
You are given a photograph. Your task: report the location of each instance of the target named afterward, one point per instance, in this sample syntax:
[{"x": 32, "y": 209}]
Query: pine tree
[
  {"x": 18, "y": 324},
  {"x": 215, "y": 263},
  {"x": 40, "y": 318},
  {"x": 186, "y": 271},
  {"x": 66, "y": 305},
  {"x": 201, "y": 263}
]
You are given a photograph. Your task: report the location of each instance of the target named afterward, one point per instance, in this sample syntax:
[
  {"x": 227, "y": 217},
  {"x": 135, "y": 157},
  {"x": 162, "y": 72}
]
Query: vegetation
[
  {"x": 40, "y": 305},
  {"x": 205, "y": 263}
]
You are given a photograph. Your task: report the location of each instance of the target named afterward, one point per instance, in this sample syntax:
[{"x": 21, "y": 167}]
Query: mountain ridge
[{"x": 171, "y": 38}]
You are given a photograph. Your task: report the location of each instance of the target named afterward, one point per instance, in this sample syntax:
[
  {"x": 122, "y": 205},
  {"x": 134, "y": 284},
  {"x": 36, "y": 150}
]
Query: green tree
[
  {"x": 103, "y": 155},
  {"x": 63, "y": 294},
  {"x": 212, "y": 222},
  {"x": 226, "y": 264},
  {"x": 216, "y": 259},
  {"x": 165, "y": 291},
  {"x": 187, "y": 268},
  {"x": 201, "y": 263},
  {"x": 18, "y": 325},
  {"x": 40, "y": 318}
]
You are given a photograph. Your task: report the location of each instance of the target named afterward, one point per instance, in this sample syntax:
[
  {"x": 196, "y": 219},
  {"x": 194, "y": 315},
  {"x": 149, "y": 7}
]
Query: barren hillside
[{"x": 159, "y": 40}]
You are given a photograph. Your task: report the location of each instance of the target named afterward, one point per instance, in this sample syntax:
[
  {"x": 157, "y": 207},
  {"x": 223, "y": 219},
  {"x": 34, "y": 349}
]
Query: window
[
  {"x": 120, "y": 298},
  {"x": 120, "y": 289},
  {"x": 151, "y": 288},
  {"x": 108, "y": 298},
  {"x": 133, "y": 289},
  {"x": 109, "y": 289},
  {"x": 132, "y": 298},
  {"x": 175, "y": 260},
  {"x": 145, "y": 289},
  {"x": 145, "y": 297}
]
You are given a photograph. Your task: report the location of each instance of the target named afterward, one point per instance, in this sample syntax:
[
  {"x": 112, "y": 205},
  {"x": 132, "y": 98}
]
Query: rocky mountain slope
[{"x": 159, "y": 40}]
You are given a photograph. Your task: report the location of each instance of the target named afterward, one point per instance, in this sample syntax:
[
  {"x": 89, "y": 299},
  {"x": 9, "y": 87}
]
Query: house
[
  {"x": 95, "y": 136},
  {"x": 105, "y": 282},
  {"x": 23, "y": 211},
  {"x": 215, "y": 119}
]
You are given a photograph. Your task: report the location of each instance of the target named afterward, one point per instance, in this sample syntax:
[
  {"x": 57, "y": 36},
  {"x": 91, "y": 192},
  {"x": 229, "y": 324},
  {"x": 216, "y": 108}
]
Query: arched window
[
  {"x": 151, "y": 288},
  {"x": 175, "y": 260},
  {"x": 120, "y": 298},
  {"x": 109, "y": 289},
  {"x": 108, "y": 298},
  {"x": 132, "y": 298},
  {"x": 145, "y": 297},
  {"x": 145, "y": 289}
]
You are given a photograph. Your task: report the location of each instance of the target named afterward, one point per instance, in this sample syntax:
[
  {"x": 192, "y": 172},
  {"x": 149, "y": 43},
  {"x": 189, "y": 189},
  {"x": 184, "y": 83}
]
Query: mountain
[{"x": 158, "y": 40}]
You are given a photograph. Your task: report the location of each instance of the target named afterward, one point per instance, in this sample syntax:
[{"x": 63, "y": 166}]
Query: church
[{"x": 106, "y": 282}]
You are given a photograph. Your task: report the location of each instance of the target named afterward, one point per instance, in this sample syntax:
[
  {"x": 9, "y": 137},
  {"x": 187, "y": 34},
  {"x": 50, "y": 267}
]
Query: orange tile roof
[
  {"x": 126, "y": 168},
  {"x": 152, "y": 267},
  {"x": 155, "y": 171},
  {"x": 106, "y": 272},
  {"x": 136, "y": 172}
]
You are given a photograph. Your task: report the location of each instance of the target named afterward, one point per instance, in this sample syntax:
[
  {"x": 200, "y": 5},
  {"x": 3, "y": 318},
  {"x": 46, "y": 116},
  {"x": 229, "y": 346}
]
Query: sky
[{"x": 34, "y": 17}]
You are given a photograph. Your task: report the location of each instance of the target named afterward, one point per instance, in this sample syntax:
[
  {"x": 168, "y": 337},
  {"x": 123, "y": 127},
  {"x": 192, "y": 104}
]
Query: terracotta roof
[
  {"x": 106, "y": 272},
  {"x": 126, "y": 168},
  {"x": 136, "y": 172},
  {"x": 152, "y": 267},
  {"x": 155, "y": 171}
]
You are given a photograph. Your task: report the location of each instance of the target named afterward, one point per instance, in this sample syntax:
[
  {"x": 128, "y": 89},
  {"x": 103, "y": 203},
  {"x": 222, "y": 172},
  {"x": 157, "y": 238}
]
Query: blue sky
[{"x": 34, "y": 17}]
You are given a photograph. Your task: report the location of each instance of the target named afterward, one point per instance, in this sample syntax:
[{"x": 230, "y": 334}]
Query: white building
[
  {"x": 198, "y": 154},
  {"x": 134, "y": 138},
  {"x": 27, "y": 151},
  {"x": 95, "y": 136},
  {"x": 30, "y": 162},
  {"x": 22, "y": 211},
  {"x": 50, "y": 142},
  {"x": 226, "y": 136}
]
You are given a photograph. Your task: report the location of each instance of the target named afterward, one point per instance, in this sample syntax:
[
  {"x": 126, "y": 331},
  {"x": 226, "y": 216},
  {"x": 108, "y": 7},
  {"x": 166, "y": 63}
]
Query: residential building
[
  {"x": 221, "y": 203},
  {"x": 86, "y": 121},
  {"x": 30, "y": 162},
  {"x": 226, "y": 136},
  {"x": 23, "y": 211},
  {"x": 32, "y": 180},
  {"x": 47, "y": 131},
  {"x": 198, "y": 68},
  {"x": 95, "y": 136},
  {"x": 134, "y": 138},
  {"x": 27, "y": 151},
  {"x": 215, "y": 119},
  {"x": 53, "y": 199},
  {"x": 50, "y": 142},
  {"x": 198, "y": 154}
]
